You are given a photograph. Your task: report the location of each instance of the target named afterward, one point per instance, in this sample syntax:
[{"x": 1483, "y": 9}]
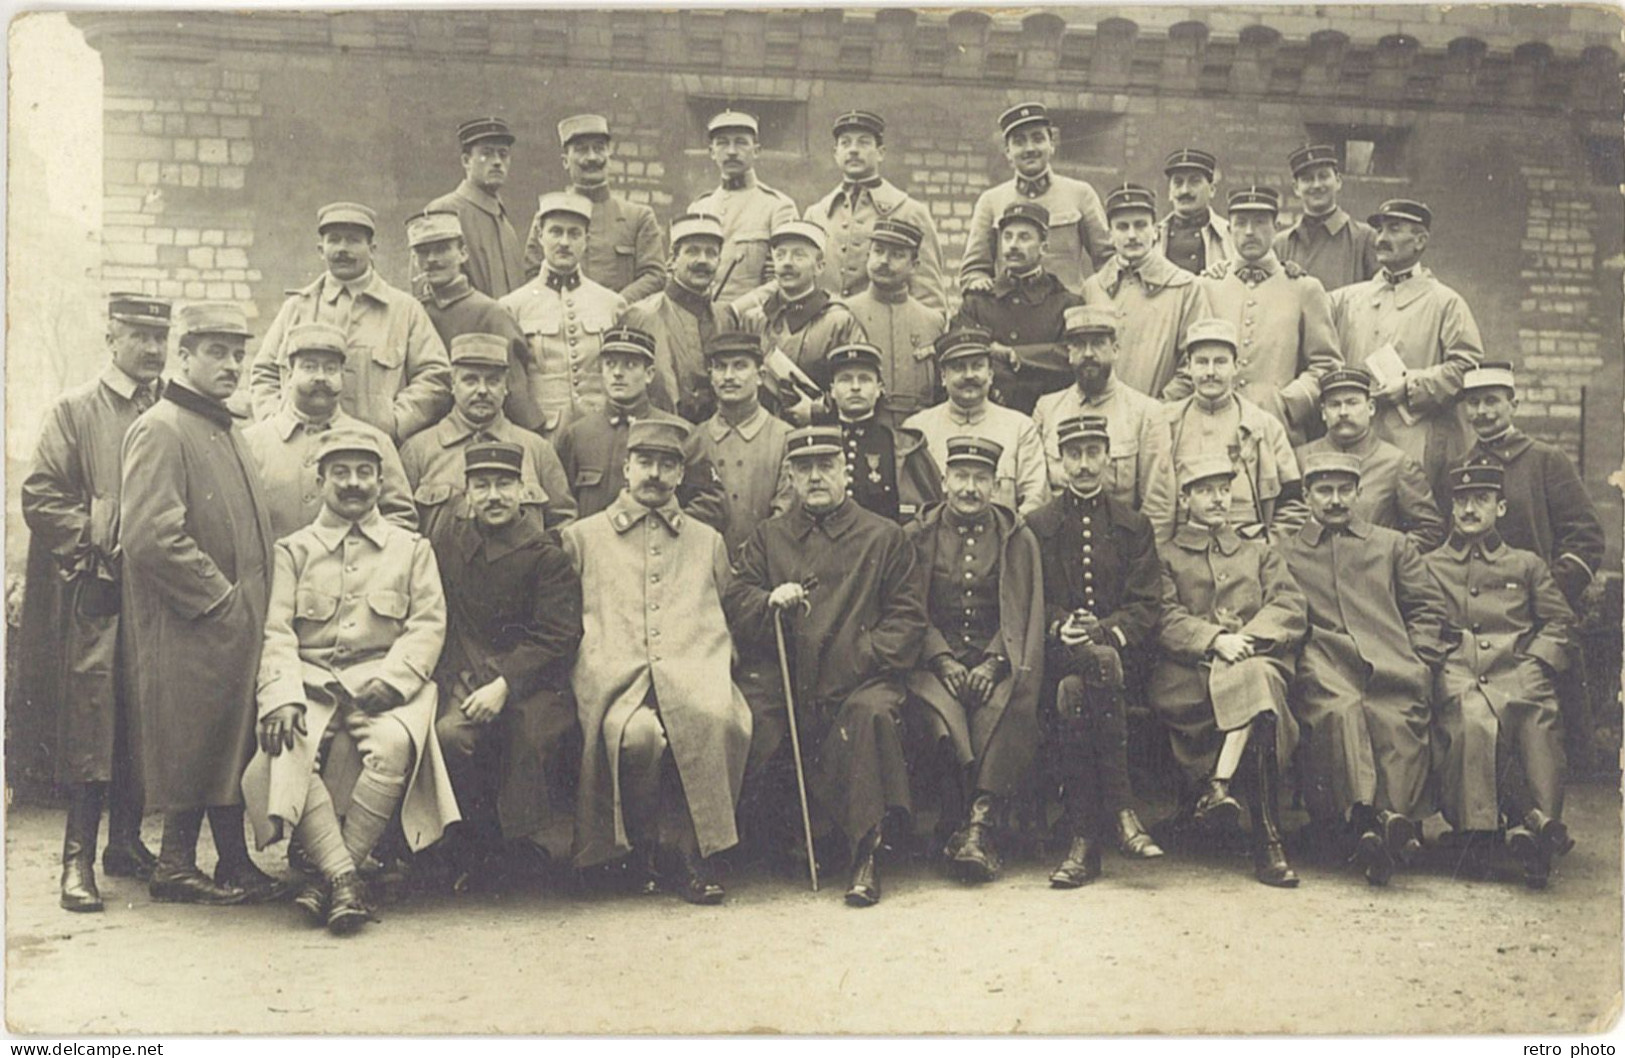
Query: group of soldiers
[{"x": 754, "y": 514}]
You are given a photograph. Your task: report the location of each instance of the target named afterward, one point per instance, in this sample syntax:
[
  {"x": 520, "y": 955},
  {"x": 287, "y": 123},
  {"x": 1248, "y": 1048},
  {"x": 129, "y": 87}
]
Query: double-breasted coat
[
  {"x": 1365, "y": 683},
  {"x": 902, "y": 327},
  {"x": 197, "y": 542},
  {"x": 1335, "y": 249},
  {"x": 434, "y": 466},
  {"x": 653, "y": 584}
]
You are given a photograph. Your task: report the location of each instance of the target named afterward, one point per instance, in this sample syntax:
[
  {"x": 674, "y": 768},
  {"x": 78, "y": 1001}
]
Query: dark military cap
[
  {"x": 1476, "y": 475},
  {"x": 493, "y": 455},
  {"x": 471, "y": 132},
  {"x": 734, "y": 343},
  {"x": 1490, "y": 373},
  {"x": 1320, "y": 464},
  {"x": 1312, "y": 155},
  {"x": 854, "y": 354},
  {"x": 897, "y": 233},
  {"x": 1082, "y": 428},
  {"x": 348, "y": 440},
  {"x": 1402, "y": 209},
  {"x": 138, "y": 309},
  {"x": 1023, "y": 114},
  {"x": 860, "y": 121},
  {"x": 628, "y": 340},
  {"x": 657, "y": 435},
  {"x": 1345, "y": 378},
  {"x": 1030, "y": 212},
  {"x": 1255, "y": 199},
  {"x": 1130, "y": 196},
  {"x": 1191, "y": 158},
  {"x": 813, "y": 441},
  {"x": 962, "y": 342},
  {"x": 980, "y": 450}
]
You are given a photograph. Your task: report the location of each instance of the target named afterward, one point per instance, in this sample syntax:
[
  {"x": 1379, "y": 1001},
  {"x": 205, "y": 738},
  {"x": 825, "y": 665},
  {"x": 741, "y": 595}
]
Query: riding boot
[
  {"x": 234, "y": 867},
  {"x": 1269, "y": 856},
  {"x": 79, "y": 891},
  {"x": 978, "y": 859},
  {"x": 125, "y": 855},
  {"x": 864, "y": 889}
]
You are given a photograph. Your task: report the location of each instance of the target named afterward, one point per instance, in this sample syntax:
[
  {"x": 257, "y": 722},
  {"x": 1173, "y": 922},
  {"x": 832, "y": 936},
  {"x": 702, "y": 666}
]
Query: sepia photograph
[{"x": 1087, "y": 520}]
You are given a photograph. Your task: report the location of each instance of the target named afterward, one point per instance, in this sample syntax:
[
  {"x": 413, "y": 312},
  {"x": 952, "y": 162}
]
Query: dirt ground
[{"x": 1179, "y": 945}]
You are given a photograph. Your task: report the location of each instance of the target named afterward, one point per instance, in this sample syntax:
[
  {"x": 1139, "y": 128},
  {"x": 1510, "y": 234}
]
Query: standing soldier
[
  {"x": 1078, "y": 236},
  {"x": 564, "y": 315},
  {"x": 626, "y": 250},
  {"x": 1023, "y": 310},
  {"x": 1156, "y": 301},
  {"x": 750, "y": 211},
  {"x": 455, "y": 307},
  {"x": 863, "y": 199},
  {"x": 433, "y": 460},
  {"x": 356, "y": 623},
  {"x": 1232, "y": 619},
  {"x": 197, "y": 560},
  {"x": 848, "y": 587},
  {"x": 396, "y": 368},
  {"x": 983, "y": 659},
  {"x": 496, "y": 260},
  {"x": 1497, "y": 730},
  {"x": 1140, "y": 471},
  {"x": 1102, "y": 594},
  {"x": 1416, "y": 337},
  {"x": 1326, "y": 242},
  {"x": 70, "y": 501},
  {"x": 284, "y": 446},
  {"x": 743, "y": 442},
  {"x": 898, "y": 324},
  {"x": 1365, "y": 680},
  {"x": 1394, "y": 492},
  {"x": 593, "y": 446},
  {"x": 513, "y": 611},
  {"x": 888, "y": 468},
  {"x": 965, "y": 361},
  {"x": 684, "y": 319},
  {"x": 1193, "y": 236},
  {"x": 1284, "y": 324},
  {"x": 667, "y": 731}
]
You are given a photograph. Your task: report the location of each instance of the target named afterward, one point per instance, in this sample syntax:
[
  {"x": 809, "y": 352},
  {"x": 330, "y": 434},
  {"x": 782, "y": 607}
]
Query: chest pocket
[
  {"x": 432, "y": 495},
  {"x": 588, "y": 477},
  {"x": 318, "y": 606},
  {"x": 1064, "y": 218},
  {"x": 390, "y": 605},
  {"x": 544, "y": 327},
  {"x": 1125, "y": 464}
]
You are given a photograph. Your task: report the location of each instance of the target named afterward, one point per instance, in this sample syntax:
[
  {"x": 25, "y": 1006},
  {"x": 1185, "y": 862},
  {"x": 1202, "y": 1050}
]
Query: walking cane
[{"x": 795, "y": 746}]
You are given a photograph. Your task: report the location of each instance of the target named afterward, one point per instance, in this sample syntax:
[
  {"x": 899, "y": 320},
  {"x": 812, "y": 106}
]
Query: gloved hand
[{"x": 376, "y": 696}]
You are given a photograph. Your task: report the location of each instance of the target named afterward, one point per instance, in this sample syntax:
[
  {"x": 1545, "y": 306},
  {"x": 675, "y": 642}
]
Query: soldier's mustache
[{"x": 352, "y": 494}]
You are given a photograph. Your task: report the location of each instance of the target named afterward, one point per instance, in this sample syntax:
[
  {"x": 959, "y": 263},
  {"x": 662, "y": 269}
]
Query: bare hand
[
  {"x": 1218, "y": 269},
  {"x": 979, "y": 683},
  {"x": 977, "y": 281},
  {"x": 953, "y": 676},
  {"x": 484, "y": 704},
  {"x": 1003, "y": 352},
  {"x": 1079, "y": 628},
  {"x": 801, "y": 412},
  {"x": 787, "y": 595},
  {"x": 1231, "y": 647},
  {"x": 1390, "y": 392},
  {"x": 279, "y": 726},
  {"x": 1293, "y": 269}
]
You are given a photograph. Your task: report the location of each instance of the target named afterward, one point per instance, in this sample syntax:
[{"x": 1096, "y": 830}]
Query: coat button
[
  {"x": 1472, "y": 591},
  {"x": 1483, "y": 679},
  {"x": 1483, "y": 644}
]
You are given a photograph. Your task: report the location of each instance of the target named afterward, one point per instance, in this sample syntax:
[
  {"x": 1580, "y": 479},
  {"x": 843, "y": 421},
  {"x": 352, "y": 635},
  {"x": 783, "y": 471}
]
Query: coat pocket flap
[
  {"x": 1065, "y": 216},
  {"x": 587, "y": 477},
  {"x": 391, "y": 604},
  {"x": 315, "y": 605},
  {"x": 431, "y": 495},
  {"x": 626, "y": 249}
]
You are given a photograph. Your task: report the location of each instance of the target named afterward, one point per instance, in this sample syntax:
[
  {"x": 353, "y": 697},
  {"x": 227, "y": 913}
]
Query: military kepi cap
[
  {"x": 1082, "y": 320},
  {"x": 1191, "y": 158},
  {"x": 479, "y": 350},
  {"x": 1130, "y": 196},
  {"x": 348, "y": 440},
  {"x": 854, "y": 354},
  {"x": 860, "y": 121},
  {"x": 474, "y": 130},
  {"x": 1029, "y": 212},
  {"x": 979, "y": 451},
  {"x": 630, "y": 341},
  {"x": 1021, "y": 115},
  {"x": 213, "y": 317},
  {"x": 813, "y": 441},
  {"x": 1213, "y": 331},
  {"x": 733, "y": 119},
  {"x": 569, "y": 202},
  {"x": 1082, "y": 428},
  {"x": 1345, "y": 378},
  {"x": 316, "y": 338},
  {"x": 897, "y": 233},
  {"x": 1311, "y": 155},
  {"x": 1489, "y": 374},
  {"x": 440, "y": 225},
  {"x": 1255, "y": 199},
  {"x": 657, "y": 435},
  {"x": 493, "y": 455},
  {"x": 1321, "y": 464},
  {"x": 1484, "y": 475},
  {"x": 346, "y": 213},
  {"x": 1402, "y": 209},
  {"x": 582, "y": 125},
  {"x": 1203, "y": 467},
  {"x": 962, "y": 342},
  {"x": 734, "y": 343},
  {"x": 138, "y": 309},
  {"x": 696, "y": 225},
  {"x": 798, "y": 229}
]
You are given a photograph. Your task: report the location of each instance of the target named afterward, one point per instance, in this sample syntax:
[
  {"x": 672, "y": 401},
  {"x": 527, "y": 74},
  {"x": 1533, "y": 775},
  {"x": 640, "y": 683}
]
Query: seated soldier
[
  {"x": 983, "y": 659},
  {"x": 355, "y": 627},
  {"x": 889, "y": 469},
  {"x": 1497, "y": 731},
  {"x": 1365, "y": 679},
  {"x": 1232, "y": 619},
  {"x": 1102, "y": 594},
  {"x": 513, "y": 605}
]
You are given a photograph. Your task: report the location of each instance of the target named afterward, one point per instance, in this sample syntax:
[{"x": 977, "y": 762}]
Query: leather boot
[
  {"x": 1216, "y": 808},
  {"x": 1081, "y": 866},
  {"x": 864, "y": 889},
  {"x": 312, "y": 900},
  {"x": 235, "y": 869},
  {"x": 978, "y": 859},
  {"x": 1269, "y": 855},
  {"x": 1553, "y": 834},
  {"x": 176, "y": 879},
  {"x": 1400, "y": 836},
  {"x": 125, "y": 855},
  {"x": 698, "y": 885},
  {"x": 1133, "y": 839},
  {"x": 1372, "y": 856},
  {"x": 347, "y": 906},
  {"x": 79, "y": 892},
  {"x": 1532, "y": 854}
]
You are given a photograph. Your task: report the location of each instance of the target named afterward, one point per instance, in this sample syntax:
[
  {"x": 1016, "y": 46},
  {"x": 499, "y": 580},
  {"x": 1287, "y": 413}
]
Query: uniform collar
[
  {"x": 1037, "y": 284},
  {"x": 502, "y": 542},
  {"x": 897, "y": 296},
  {"x": 331, "y": 530},
  {"x": 454, "y": 429},
  {"x": 1363, "y": 447},
  {"x": 1106, "y": 393},
  {"x": 480, "y": 197},
  {"x": 694, "y": 302},
  {"x": 960, "y": 417},
  {"x": 364, "y": 286},
  {"x": 114, "y": 378},
  {"x": 834, "y": 524},
  {"x": 596, "y": 193},
  {"x": 1036, "y": 186},
  {"x": 720, "y": 427},
  {"x": 619, "y": 414},
  {"x": 1313, "y": 531},
  {"x": 741, "y": 183},
  {"x": 1269, "y": 264},
  {"x": 1154, "y": 273},
  {"x": 627, "y": 512},
  {"x": 1334, "y": 222},
  {"x": 1175, "y": 221},
  {"x": 1487, "y": 547},
  {"x": 1415, "y": 286},
  {"x": 215, "y": 411},
  {"x": 1193, "y": 537},
  {"x": 799, "y": 313},
  {"x": 289, "y": 418},
  {"x": 453, "y": 292},
  {"x": 1508, "y": 446},
  {"x": 560, "y": 281}
]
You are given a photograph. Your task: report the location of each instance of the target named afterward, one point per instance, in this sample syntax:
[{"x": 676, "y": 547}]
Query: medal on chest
[{"x": 874, "y": 467}]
